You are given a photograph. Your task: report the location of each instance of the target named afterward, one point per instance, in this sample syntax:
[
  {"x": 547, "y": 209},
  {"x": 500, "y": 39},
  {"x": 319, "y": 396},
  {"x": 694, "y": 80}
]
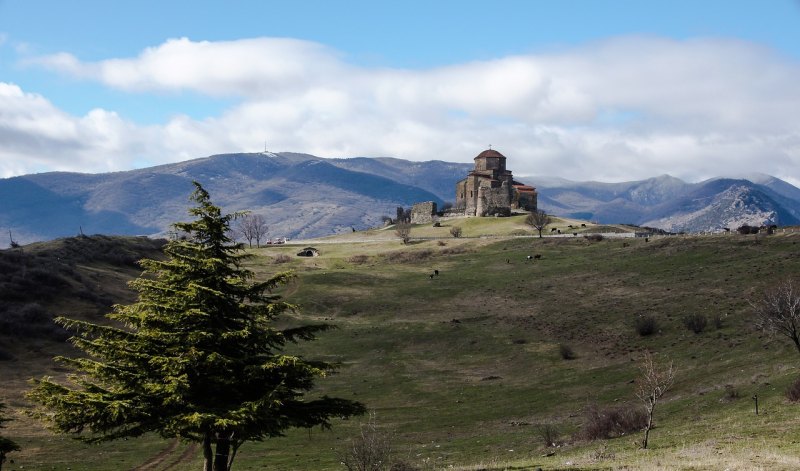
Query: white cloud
[{"x": 622, "y": 109}]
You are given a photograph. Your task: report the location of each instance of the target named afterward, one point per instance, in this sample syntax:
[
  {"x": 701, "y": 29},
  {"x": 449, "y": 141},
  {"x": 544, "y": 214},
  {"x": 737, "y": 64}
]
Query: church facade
[{"x": 490, "y": 189}]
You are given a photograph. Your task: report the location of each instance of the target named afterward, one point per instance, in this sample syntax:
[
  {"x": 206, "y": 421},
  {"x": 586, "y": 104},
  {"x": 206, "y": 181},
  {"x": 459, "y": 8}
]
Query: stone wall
[
  {"x": 493, "y": 201},
  {"x": 422, "y": 213}
]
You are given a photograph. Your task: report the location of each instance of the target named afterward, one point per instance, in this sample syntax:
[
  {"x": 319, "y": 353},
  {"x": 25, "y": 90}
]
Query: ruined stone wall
[
  {"x": 422, "y": 213},
  {"x": 494, "y": 201}
]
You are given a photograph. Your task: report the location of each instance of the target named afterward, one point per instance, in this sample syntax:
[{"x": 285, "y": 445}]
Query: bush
[
  {"x": 455, "y": 231},
  {"x": 646, "y": 325},
  {"x": 612, "y": 422},
  {"x": 282, "y": 258},
  {"x": 731, "y": 393},
  {"x": 549, "y": 434},
  {"x": 370, "y": 451},
  {"x": 793, "y": 391},
  {"x": 718, "y": 320},
  {"x": 695, "y": 322},
  {"x": 566, "y": 352}
]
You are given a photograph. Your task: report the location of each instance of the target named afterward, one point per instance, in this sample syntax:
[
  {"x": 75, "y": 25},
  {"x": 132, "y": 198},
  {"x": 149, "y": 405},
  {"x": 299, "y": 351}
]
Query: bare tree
[
  {"x": 252, "y": 227},
  {"x": 538, "y": 220},
  {"x": 259, "y": 228},
  {"x": 455, "y": 231},
  {"x": 653, "y": 383},
  {"x": 777, "y": 310},
  {"x": 370, "y": 451},
  {"x": 403, "y": 231}
]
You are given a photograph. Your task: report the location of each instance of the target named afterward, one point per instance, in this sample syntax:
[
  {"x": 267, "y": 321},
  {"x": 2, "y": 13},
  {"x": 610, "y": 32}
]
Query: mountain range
[{"x": 303, "y": 196}]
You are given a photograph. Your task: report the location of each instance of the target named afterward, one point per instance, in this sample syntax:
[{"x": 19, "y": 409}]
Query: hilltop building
[{"x": 490, "y": 189}]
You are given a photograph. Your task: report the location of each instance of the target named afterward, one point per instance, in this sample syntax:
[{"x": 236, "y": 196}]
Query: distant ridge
[{"x": 304, "y": 196}]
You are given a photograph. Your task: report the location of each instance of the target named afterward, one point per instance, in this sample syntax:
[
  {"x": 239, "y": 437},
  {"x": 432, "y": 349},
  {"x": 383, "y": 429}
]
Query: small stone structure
[
  {"x": 490, "y": 189},
  {"x": 308, "y": 252},
  {"x": 423, "y": 213}
]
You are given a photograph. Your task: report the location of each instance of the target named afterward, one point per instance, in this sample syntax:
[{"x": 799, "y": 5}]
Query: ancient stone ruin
[{"x": 423, "y": 213}]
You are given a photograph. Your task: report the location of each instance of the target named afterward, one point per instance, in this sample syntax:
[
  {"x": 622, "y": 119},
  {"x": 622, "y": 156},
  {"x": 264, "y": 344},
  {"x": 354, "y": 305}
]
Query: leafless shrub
[
  {"x": 370, "y": 451},
  {"x": 403, "y": 230},
  {"x": 566, "y": 352},
  {"x": 646, "y": 325},
  {"x": 777, "y": 310},
  {"x": 793, "y": 391},
  {"x": 281, "y": 258},
  {"x": 549, "y": 433},
  {"x": 653, "y": 383},
  {"x": 455, "y": 231},
  {"x": 718, "y": 320},
  {"x": 600, "y": 424},
  {"x": 358, "y": 259},
  {"x": 731, "y": 393},
  {"x": 602, "y": 454},
  {"x": 695, "y": 322}
]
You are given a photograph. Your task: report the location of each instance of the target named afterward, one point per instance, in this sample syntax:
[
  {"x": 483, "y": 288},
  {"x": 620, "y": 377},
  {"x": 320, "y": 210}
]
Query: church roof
[{"x": 490, "y": 153}]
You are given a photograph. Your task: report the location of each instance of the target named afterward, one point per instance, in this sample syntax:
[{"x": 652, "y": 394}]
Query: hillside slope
[{"x": 462, "y": 367}]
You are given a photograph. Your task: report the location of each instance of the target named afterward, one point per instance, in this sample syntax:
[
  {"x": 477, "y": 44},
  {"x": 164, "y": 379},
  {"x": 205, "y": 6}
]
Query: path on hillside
[
  {"x": 355, "y": 240},
  {"x": 163, "y": 456}
]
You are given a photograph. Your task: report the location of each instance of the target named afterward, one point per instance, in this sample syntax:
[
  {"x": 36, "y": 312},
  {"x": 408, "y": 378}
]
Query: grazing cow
[
  {"x": 538, "y": 256},
  {"x": 570, "y": 226},
  {"x": 583, "y": 225},
  {"x": 529, "y": 257},
  {"x": 575, "y": 234},
  {"x": 431, "y": 275},
  {"x": 559, "y": 231},
  {"x": 553, "y": 229},
  {"x": 436, "y": 272}
]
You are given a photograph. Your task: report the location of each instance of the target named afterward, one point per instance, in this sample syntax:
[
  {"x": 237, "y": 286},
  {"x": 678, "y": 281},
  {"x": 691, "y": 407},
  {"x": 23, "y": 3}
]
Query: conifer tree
[
  {"x": 6, "y": 444},
  {"x": 197, "y": 357}
]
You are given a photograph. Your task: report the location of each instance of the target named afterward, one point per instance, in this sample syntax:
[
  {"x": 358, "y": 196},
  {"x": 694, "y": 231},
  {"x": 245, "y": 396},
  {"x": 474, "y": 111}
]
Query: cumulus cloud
[{"x": 621, "y": 109}]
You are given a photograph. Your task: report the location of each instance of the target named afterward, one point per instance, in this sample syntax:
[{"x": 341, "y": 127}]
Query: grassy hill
[{"x": 464, "y": 367}]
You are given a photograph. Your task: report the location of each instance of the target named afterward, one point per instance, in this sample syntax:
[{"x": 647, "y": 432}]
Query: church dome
[{"x": 490, "y": 153}]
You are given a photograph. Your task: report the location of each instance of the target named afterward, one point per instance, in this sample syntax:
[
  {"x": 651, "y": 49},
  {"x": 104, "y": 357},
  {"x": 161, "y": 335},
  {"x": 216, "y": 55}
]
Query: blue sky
[{"x": 604, "y": 90}]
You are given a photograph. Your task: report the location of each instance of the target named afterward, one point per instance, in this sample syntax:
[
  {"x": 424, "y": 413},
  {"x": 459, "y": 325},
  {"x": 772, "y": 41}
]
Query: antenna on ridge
[
  {"x": 490, "y": 147},
  {"x": 265, "y": 147}
]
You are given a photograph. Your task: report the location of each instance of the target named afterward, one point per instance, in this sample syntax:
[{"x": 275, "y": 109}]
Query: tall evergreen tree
[
  {"x": 198, "y": 356},
  {"x": 6, "y": 444}
]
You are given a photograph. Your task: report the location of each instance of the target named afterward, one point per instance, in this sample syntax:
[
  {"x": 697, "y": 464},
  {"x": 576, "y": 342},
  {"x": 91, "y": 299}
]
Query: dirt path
[
  {"x": 187, "y": 454},
  {"x": 156, "y": 460},
  {"x": 164, "y": 455}
]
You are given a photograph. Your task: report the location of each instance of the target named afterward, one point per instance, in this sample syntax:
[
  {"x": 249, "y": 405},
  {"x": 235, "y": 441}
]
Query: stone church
[{"x": 490, "y": 189}]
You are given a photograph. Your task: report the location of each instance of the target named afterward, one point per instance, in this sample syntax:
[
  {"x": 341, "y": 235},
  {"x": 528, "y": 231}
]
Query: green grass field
[{"x": 461, "y": 368}]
